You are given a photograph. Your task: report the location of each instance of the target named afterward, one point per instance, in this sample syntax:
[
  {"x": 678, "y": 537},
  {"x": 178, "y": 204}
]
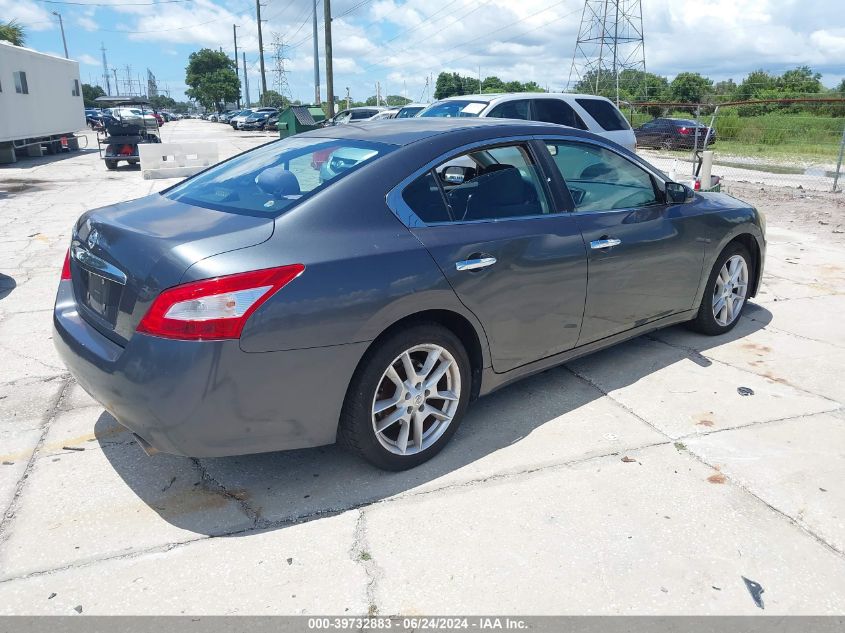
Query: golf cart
[{"x": 128, "y": 122}]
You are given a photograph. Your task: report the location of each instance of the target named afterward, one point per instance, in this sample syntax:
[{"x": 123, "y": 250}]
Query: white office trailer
[{"x": 40, "y": 103}]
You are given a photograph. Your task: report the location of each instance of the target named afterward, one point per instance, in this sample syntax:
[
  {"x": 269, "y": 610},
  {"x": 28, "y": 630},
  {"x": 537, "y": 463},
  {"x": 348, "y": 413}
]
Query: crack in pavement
[
  {"x": 213, "y": 485},
  {"x": 49, "y": 416},
  {"x": 362, "y": 556}
]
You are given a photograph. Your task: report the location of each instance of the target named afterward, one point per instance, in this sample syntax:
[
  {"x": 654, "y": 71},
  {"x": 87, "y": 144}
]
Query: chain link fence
[{"x": 794, "y": 143}]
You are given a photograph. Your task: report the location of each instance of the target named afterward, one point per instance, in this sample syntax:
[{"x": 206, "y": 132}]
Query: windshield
[
  {"x": 454, "y": 108},
  {"x": 407, "y": 113},
  {"x": 274, "y": 177}
]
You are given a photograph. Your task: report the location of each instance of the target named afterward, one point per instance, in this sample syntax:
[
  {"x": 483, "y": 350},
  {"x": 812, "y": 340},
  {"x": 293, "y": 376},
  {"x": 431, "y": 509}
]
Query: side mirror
[
  {"x": 676, "y": 193},
  {"x": 454, "y": 174}
]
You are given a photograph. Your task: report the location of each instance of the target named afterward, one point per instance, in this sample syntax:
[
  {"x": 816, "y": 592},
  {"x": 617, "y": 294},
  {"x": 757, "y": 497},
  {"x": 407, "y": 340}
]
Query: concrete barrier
[{"x": 175, "y": 160}]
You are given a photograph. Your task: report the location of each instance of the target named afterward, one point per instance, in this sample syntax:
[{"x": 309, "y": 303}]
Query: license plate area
[{"x": 100, "y": 295}]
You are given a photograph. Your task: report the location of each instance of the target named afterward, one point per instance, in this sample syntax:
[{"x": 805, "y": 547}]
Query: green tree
[
  {"x": 396, "y": 100},
  {"x": 800, "y": 81},
  {"x": 755, "y": 82},
  {"x": 492, "y": 84},
  {"x": 12, "y": 32},
  {"x": 162, "y": 102},
  {"x": 690, "y": 88},
  {"x": 273, "y": 99},
  {"x": 89, "y": 93},
  {"x": 211, "y": 78}
]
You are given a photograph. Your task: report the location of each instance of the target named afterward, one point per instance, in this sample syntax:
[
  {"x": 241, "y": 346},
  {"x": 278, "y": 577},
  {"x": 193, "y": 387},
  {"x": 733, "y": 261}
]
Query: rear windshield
[
  {"x": 274, "y": 177},
  {"x": 605, "y": 114},
  {"x": 454, "y": 108}
]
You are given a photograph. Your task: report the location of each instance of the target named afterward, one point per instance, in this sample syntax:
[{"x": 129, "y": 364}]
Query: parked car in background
[
  {"x": 354, "y": 115},
  {"x": 258, "y": 120},
  {"x": 257, "y": 307},
  {"x": 239, "y": 117},
  {"x": 669, "y": 133},
  {"x": 583, "y": 112},
  {"x": 390, "y": 113},
  {"x": 410, "y": 110}
]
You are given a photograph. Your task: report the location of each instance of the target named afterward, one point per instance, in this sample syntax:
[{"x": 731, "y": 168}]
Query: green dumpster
[{"x": 301, "y": 118}]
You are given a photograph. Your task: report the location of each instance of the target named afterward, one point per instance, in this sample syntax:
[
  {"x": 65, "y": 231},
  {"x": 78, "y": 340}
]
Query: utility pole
[
  {"x": 237, "y": 74},
  {"x": 347, "y": 97},
  {"x": 316, "y": 59},
  {"x": 62, "y": 27},
  {"x": 246, "y": 83},
  {"x": 116, "y": 89},
  {"x": 260, "y": 52},
  {"x": 327, "y": 18}
]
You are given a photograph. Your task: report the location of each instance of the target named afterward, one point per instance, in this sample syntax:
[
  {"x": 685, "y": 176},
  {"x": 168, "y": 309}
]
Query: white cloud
[{"x": 88, "y": 60}]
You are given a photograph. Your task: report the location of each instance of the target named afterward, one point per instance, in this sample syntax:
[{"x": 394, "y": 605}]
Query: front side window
[
  {"x": 494, "y": 183},
  {"x": 605, "y": 113},
  {"x": 557, "y": 111},
  {"x": 454, "y": 108},
  {"x": 510, "y": 110},
  {"x": 601, "y": 180},
  {"x": 21, "y": 86},
  {"x": 273, "y": 178}
]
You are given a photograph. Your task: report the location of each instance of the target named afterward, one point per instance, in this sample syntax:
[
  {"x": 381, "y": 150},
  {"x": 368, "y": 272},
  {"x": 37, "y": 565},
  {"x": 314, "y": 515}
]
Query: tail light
[
  {"x": 684, "y": 131},
  {"x": 66, "y": 267},
  {"x": 214, "y": 309}
]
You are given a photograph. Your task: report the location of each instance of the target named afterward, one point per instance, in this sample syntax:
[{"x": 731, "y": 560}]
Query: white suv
[{"x": 585, "y": 112}]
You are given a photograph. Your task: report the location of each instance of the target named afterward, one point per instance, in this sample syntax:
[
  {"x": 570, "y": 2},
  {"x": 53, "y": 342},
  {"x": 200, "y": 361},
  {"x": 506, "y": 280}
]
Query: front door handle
[
  {"x": 605, "y": 243},
  {"x": 475, "y": 264}
]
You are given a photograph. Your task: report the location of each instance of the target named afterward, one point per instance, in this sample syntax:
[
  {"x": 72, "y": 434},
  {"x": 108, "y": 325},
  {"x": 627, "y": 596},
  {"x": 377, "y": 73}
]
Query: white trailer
[{"x": 40, "y": 102}]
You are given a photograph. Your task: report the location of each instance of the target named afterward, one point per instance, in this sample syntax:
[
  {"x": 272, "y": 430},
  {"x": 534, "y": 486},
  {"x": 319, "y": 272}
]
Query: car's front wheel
[
  {"x": 726, "y": 292},
  {"x": 407, "y": 397}
]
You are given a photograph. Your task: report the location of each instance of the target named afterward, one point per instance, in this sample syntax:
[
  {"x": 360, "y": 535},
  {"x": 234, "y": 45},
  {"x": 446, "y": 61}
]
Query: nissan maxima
[{"x": 271, "y": 303}]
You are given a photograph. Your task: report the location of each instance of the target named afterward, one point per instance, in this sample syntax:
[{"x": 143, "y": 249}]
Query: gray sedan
[{"x": 274, "y": 303}]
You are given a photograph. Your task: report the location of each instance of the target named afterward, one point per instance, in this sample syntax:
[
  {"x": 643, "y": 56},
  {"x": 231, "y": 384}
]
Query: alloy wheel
[
  {"x": 416, "y": 399},
  {"x": 730, "y": 290}
]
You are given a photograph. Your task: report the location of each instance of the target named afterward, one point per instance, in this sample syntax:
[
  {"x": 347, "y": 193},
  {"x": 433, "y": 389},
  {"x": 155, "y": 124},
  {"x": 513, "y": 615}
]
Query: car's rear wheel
[
  {"x": 726, "y": 292},
  {"x": 111, "y": 164},
  {"x": 667, "y": 143},
  {"x": 407, "y": 397}
]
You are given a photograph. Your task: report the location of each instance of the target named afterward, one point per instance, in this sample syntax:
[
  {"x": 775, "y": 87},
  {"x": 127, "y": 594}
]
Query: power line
[
  {"x": 178, "y": 28},
  {"x": 352, "y": 9}
]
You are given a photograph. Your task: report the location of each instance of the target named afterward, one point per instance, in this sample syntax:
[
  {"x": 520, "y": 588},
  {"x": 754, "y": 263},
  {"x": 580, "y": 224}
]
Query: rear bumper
[{"x": 210, "y": 398}]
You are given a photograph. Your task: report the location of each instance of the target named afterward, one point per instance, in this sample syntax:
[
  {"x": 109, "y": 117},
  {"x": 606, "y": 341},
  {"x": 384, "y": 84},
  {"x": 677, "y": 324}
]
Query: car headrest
[
  {"x": 502, "y": 187},
  {"x": 278, "y": 182},
  {"x": 595, "y": 170}
]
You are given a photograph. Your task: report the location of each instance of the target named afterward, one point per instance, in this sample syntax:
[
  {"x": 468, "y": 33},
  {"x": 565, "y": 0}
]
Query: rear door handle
[
  {"x": 605, "y": 243},
  {"x": 475, "y": 264}
]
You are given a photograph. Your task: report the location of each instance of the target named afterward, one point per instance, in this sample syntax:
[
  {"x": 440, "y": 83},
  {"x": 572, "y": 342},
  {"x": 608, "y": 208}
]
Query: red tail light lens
[
  {"x": 684, "y": 131},
  {"x": 66, "y": 267},
  {"x": 214, "y": 309}
]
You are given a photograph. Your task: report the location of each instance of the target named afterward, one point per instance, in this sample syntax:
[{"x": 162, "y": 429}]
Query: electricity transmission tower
[
  {"x": 610, "y": 42},
  {"x": 279, "y": 72}
]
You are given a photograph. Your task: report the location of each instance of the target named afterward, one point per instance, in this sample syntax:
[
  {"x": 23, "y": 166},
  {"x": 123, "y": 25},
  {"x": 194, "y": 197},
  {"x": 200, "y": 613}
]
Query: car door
[
  {"x": 645, "y": 257},
  {"x": 512, "y": 257},
  {"x": 646, "y": 133}
]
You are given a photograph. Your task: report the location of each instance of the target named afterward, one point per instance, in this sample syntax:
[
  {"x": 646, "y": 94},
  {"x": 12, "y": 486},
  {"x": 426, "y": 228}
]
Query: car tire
[
  {"x": 375, "y": 397},
  {"x": 667, "y": 144},
  {"x": 111, "y": 164},
  {"x": 718, "y": 317}
]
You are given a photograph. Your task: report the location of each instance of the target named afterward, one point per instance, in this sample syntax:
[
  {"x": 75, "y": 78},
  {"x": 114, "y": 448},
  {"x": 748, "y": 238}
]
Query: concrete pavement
[{"x": 635, "y": 481}]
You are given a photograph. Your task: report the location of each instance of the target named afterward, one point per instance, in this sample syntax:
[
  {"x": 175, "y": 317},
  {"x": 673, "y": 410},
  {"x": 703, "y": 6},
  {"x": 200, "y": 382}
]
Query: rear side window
[
  {"x": 557, "y": 111},
  {"x": 426, "y": 200},
  {"x": 494, "y": 183},
  {"x": 363, "y": 114},
  {"x": 605, "y": 113},
  {"x": 274, "y": 177},
  {"x": 510, "y": 110}
]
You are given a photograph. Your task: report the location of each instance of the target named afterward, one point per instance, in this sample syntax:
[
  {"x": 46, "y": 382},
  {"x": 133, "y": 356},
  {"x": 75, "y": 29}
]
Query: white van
[{"x": 585, "y": 112}]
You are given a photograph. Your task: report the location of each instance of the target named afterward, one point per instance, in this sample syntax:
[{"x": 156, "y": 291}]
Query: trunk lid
[{"x": 123, "y": 256}]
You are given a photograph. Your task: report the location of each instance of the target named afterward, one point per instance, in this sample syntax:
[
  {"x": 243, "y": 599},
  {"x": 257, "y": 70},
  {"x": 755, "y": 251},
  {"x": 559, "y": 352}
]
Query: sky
[{"x": 400, "y": 43}]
